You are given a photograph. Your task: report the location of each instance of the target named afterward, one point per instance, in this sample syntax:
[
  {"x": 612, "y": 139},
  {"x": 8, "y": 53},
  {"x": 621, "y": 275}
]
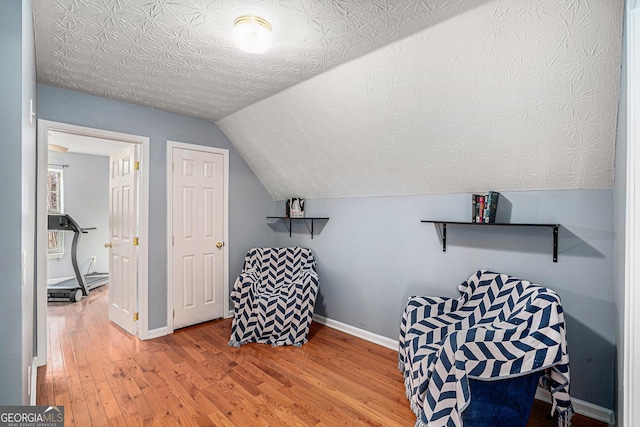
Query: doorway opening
[{"x": 91, "y": 150}]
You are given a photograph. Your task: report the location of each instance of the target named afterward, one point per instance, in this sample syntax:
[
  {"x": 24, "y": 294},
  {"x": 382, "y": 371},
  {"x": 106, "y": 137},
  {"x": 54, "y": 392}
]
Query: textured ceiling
[
  {"x": 511, "y": 95},
  {"x": 360, "y": 98},
  {"x": 177, "y": 55}
]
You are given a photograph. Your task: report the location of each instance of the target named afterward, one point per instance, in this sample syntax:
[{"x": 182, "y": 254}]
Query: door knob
[
  {"x": 219, "y": 245},
  {"x": 107, "y": 245}
]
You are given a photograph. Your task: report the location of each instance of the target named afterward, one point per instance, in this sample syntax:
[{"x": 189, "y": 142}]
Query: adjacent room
[
  {"x": 77, "y": 186},
  {"x": 361, "y": 136}
]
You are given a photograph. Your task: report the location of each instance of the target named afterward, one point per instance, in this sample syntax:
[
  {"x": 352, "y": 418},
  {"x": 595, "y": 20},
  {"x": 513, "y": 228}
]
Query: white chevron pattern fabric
[
  {"x": 274, "y": 297},
  {"x": 501, "y": 327}
]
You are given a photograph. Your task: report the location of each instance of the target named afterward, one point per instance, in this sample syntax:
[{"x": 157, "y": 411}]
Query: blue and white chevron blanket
[
  {"x": 274, "y": 297},
  {"x": 500, "y": 327}
]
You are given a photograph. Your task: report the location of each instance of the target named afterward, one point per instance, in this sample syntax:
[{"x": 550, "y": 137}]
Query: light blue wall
[
  {"x": 620, "y": 207},
  {"x": 374, "y": 253},
  {"x": 17, "y": 172},
  {"x": 249, "y": 202},
  {"x": 10, "y": 194},
  {"x": 86, "y": 199}
]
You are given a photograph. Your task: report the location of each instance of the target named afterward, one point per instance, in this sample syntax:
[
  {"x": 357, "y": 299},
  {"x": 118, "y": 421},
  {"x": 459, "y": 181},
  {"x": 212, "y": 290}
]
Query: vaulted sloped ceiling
[
  {"x": 512, "y": 95},
  {"x": 362, "y": 98}
]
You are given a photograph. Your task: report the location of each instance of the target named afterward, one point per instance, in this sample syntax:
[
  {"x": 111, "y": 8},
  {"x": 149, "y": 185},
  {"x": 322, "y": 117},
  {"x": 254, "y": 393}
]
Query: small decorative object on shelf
[
  {"x": 296, "y": 207},
  {"x": 484, "y": 207}
]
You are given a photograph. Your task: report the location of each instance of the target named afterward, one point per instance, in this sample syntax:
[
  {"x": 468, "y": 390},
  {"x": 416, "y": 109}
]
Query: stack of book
[{"x": 484, "y": 207}]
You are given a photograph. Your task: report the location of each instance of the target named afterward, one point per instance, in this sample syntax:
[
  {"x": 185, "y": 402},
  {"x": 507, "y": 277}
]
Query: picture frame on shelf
[{"x": 296, "y": 207}]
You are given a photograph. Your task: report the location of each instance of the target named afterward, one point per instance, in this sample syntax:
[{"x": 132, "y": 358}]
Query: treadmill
[{"x": 75, "y": 288}]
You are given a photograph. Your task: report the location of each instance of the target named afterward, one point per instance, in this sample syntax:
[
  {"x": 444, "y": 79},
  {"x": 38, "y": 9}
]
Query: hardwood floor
[{"x": 104, "y": 377}]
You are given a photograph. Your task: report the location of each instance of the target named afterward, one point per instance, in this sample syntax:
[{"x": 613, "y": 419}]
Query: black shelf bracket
[
  {"x": 442, "y": 229},
  {"x": 288, "y": 222},
  {"x": 555, "y": 243}
]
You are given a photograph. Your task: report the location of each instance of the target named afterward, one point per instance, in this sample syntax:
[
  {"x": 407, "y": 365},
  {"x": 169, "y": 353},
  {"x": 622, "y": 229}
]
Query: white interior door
[
  {"x": 122, "y": 232},
  {"x": 198, "y": 236}
]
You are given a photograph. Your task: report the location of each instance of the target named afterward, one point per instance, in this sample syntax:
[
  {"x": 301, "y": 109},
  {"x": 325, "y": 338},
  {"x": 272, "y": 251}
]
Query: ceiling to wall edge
[
  {"x": 276, "y": 196},
  {"x": 405, "y": 196}
]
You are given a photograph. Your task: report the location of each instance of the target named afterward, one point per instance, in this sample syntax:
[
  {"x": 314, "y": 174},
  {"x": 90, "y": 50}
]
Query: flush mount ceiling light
[{"x": 252, "y": 33}]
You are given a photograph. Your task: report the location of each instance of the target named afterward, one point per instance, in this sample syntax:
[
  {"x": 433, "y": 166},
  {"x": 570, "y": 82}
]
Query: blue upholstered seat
[{"x": 501, "y": 403}]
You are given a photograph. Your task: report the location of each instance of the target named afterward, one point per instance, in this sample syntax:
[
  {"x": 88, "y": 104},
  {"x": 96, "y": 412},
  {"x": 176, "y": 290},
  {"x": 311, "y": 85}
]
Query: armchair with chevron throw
[
  {"x": 501, "y": 328},
  {"x": 274, "y": 297}
]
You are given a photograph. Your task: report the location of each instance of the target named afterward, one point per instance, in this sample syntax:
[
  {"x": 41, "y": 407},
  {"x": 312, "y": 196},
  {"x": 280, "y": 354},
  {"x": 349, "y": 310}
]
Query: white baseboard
[
  {"x": 583, "y": 408},
  {"x": 33, "y": 381},
  {"x": 357, "y": 332},
  {"x": 156, "y": 333},
  {"x": 579, "y": 406}
]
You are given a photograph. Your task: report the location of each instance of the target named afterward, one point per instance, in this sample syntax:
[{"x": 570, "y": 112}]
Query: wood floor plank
[
  {"x": 103, "y": 376},
  {"x": 65, "y": 400},
  {"x": 109, "y": 402},
  {"x": 216, "y": 396},
  {"x": 44, "y": 387},
  {"x": 117, "y": 421},
  {"x": 77, "y": 397},
  {"x": 219, "y": 419}
]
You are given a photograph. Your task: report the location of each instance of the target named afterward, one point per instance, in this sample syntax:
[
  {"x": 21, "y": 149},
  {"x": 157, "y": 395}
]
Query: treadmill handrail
[{"x": 64, "y": 222}]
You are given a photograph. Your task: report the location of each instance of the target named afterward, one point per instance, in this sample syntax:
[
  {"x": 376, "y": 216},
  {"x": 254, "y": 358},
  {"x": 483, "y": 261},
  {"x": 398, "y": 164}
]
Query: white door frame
[
  {"x": 44, "y": 126},
  {"x": 631, "y": 345},
  {"x": 225, "y": 154}
]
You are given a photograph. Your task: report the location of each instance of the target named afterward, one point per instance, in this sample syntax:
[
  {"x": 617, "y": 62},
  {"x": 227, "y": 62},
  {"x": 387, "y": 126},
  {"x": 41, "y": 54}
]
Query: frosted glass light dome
[{"x": 252, "y": 34}]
